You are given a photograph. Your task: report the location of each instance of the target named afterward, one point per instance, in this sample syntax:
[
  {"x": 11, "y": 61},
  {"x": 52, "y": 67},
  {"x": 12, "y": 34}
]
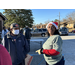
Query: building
[
  {"x": 39, "y": 26},
  {"x": 2, "y": 18},
  {"x": 69, "y": 24}
]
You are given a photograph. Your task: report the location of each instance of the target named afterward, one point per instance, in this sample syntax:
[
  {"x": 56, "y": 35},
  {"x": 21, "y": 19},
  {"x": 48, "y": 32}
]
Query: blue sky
[{"x": 43, "y": 15}]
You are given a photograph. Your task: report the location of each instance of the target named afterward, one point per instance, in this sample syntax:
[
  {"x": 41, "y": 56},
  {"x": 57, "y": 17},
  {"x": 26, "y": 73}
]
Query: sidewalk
[{"x": 37, "y": 59}]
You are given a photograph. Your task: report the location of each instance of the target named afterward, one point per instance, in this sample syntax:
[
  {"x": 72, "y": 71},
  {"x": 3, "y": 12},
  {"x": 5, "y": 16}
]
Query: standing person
[
  {"x": 5, "y": 58},
  {"x": 4, "y": 32},
  {"x": 28, "y": 35},
  {"x": 16, "y": 45},
  {"x": 9, "y": 29},
  {"x": 21, "y": 31},
  {"x": 52, "y": 48}
]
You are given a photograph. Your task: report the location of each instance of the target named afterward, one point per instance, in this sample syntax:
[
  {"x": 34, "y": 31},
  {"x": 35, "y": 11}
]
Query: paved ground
[{"x": 68, "y": 50}]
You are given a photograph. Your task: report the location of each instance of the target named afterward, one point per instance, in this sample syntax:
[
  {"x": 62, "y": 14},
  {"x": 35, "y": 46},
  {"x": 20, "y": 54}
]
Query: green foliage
[
  {"x": 21, "y": 16},
  {"x": 55, "y": 20}
]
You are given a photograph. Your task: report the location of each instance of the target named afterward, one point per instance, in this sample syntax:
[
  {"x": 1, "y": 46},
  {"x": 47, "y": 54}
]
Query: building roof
[
  {"x": 67, "y": 22},
  {"x": 3, "y": 17}
]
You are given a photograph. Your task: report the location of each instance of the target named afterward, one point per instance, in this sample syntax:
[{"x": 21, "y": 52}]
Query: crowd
[{"x": 15, "y": 46}]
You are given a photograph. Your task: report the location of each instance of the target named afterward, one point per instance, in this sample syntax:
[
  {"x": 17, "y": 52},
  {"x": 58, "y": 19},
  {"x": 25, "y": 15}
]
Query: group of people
[{"x": 17, "y": 46}]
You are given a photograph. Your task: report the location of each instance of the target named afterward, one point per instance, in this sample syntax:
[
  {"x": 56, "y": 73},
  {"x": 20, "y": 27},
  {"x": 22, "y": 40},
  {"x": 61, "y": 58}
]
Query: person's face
[
  {"x": 51, "y": 29},
  {"x": 14, "y": 31}
]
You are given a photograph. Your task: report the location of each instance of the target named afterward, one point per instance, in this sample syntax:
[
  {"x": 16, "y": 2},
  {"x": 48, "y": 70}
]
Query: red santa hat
[{"x": 53, "y": 23}]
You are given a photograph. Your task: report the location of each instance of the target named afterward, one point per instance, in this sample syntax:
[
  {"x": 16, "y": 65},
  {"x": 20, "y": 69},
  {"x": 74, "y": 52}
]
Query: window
[
  {"x": 64, "y": 29},
  {"x": 40, "y": 30},
  {"x": 44, "y": 29},
  {"x": 35, "y": 30}
]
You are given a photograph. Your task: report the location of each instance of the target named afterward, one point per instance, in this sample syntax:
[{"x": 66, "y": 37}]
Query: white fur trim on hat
[
  {"x": 52, "y": 24},
  {"x": 48, "y": 24},
  {"x": 55, "y": 25}
]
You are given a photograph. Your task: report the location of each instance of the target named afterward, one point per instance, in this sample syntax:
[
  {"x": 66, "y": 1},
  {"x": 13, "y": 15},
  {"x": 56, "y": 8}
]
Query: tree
[
  {"x": 70, "y": 16},
  {"x": 64, "y": 20},
  {"x": 21, "y": 16},
  {"x": 56, "y": 20},
  {"x": 40, "y": 24}
]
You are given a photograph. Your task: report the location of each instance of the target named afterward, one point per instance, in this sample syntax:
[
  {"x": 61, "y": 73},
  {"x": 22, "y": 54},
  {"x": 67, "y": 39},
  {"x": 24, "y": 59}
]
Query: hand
[{"x": 38, "y": 51}]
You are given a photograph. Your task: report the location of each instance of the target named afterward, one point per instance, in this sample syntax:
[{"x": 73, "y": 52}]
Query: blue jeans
[{"x": 61, "y": 62}]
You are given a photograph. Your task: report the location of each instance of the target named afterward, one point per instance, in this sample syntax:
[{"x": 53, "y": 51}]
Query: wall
[
  {"x": 70, "y": 25},
  {"x": 1, "y": 25},
  {"x": 40, "y": 26}
]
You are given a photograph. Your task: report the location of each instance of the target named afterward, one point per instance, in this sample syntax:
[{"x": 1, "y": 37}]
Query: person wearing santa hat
[{"x": 52, "y": 48}]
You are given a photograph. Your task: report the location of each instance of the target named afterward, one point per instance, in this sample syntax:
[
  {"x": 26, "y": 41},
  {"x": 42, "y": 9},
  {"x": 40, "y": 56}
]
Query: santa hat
[{"x": 53, "y": 23}]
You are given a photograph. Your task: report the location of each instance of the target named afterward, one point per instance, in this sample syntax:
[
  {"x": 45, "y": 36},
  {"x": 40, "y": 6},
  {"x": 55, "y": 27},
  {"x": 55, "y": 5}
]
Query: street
[{"x": 68, "y": 50}]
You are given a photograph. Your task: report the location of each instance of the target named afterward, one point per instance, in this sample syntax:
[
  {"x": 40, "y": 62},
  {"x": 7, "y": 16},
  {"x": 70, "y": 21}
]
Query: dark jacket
[
  {"x": 17, "y": 49},
  {"x": 27, "y": 33}
]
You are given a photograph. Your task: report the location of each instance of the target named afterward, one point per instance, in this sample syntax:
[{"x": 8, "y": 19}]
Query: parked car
[
  {"x": 63, "y": 31},
  {"x": 73, "y": 31},
  {"x": 38, "y": 32}
]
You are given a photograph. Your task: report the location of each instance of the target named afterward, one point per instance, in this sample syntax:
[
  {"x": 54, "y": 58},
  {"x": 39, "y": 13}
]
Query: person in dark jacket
[
  {"x": 28, "y": 35},
  {"x": 16, "y": 44}
]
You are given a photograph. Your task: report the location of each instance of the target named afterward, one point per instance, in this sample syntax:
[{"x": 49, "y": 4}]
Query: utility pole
[{"x": 59, "y": 21}]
